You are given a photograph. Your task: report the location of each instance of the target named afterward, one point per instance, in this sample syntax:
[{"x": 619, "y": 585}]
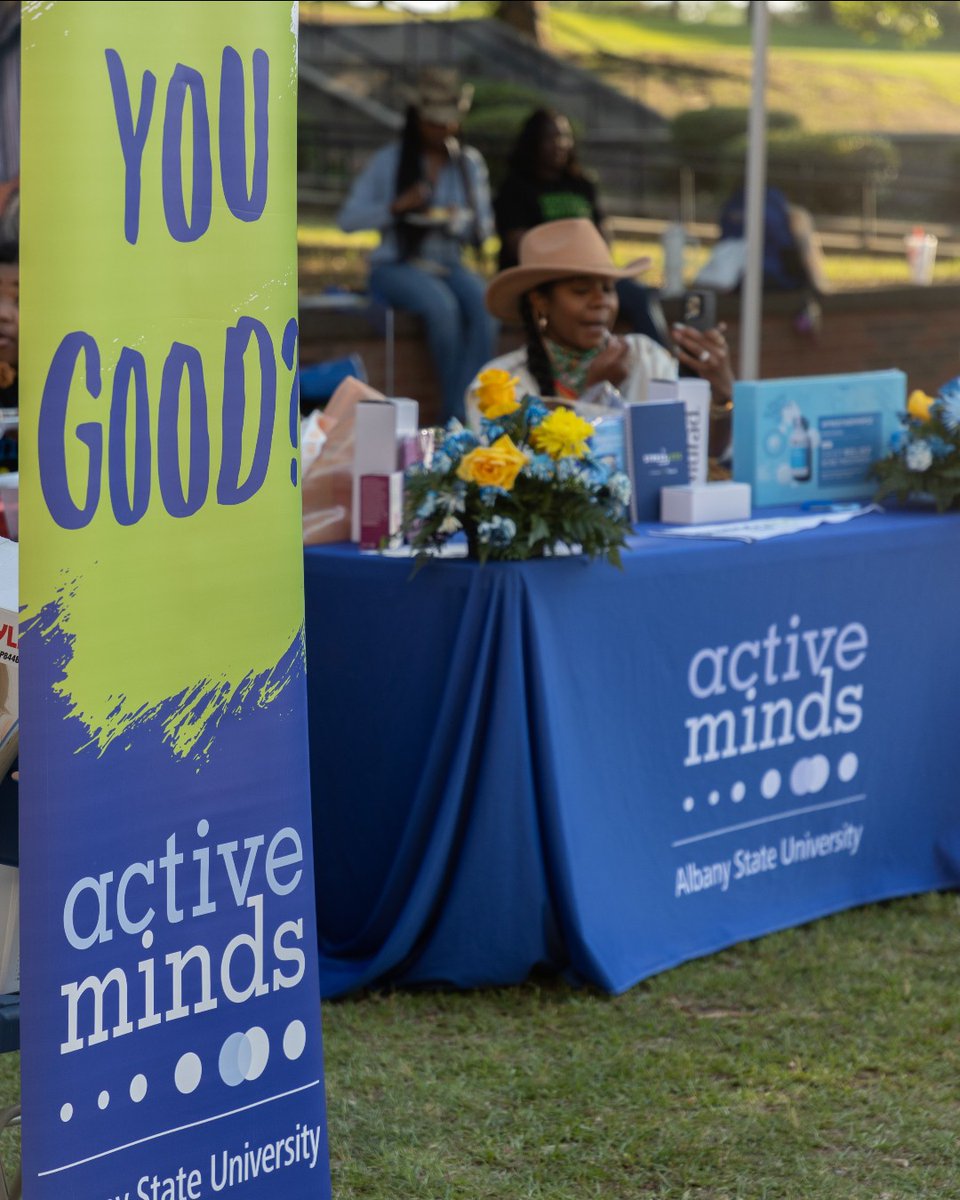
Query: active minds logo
[
  {"x": 661, "y": 458},
  {"x": 750, "y": 678}
]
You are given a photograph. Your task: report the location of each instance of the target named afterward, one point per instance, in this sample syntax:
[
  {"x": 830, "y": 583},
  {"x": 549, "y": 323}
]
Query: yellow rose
[
  {"x": 562, "y": 434},
  {"x": 919, "y": 405},
  {"x": 496, "y": 393},
  {"x": 493, "y": 466}
]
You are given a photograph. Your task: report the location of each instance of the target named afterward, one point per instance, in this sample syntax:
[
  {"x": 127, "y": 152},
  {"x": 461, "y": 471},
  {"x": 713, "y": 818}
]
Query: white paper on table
[
  {"x": 446, "y": 550},
  {"x": 761, "y": 529}
]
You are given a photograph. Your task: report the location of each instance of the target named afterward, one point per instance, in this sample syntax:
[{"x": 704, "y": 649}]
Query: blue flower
[
  {"x": 919, "y": 456},
  {"x": 497, "y": 531},
  {"x": 898, "y": 439},
  {"x": 536, "y": 411},
  {"x": 428, "y": 507},
  {"x": 442, "y": 463},
  {"x": 490, "y": 495},
  {"x": 540, "y": 466},
  {"x": 458, "y": 444},
  {"x": 940, "y": 448},
  {"x": 567, "y": 469},
  {"x": 593, "y": 472},
  {"x": 948, "y": 404},
  {"x": 491, "y": 430}
]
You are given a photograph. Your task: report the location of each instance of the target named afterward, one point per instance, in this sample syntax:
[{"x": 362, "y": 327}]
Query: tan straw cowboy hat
[
  {"x": 440, "y": 96},
  {"x": 555, "y": 250}
]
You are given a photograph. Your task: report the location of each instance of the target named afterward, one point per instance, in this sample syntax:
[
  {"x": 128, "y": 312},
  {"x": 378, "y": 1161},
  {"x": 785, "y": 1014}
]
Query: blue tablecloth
[{"x": 610, "y": 772}]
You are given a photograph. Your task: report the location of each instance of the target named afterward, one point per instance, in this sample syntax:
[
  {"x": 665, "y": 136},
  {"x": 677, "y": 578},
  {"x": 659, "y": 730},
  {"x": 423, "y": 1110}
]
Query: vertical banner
[{"x": 170, "y": 1021}]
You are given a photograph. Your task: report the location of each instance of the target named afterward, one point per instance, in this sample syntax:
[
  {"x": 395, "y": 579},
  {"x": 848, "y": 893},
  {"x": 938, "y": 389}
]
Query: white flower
[
  {"x": 919, "y": 456},
  {"x": 454, "y": 501},
  {"x": 619, "y": 485},
  {"x": 448, "y": 525}
]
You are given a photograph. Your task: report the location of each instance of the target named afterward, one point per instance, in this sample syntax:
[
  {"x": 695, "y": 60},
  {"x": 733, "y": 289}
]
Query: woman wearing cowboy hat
[
  {"x": 428, "y": 197},
  {"x": 563, "y": 292}
]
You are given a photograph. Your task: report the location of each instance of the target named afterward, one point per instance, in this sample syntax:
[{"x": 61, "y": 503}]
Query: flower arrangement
[
  {"x": 524, "y": 487},
  {"x": 925, "y": 455}
]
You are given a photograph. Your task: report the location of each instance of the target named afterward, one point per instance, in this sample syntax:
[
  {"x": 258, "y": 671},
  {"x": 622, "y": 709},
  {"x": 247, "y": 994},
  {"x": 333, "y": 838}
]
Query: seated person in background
[
  {"x": 429, "y": 197},
  {"x": 545, "y": 182},
  {"x": 791, "y": 259},
  {"x": 563, "y": 292}
]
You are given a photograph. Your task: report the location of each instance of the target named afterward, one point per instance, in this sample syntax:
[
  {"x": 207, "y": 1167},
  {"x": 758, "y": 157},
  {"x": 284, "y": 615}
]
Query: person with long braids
[
  {"x": 429, "y": 197},
  {"x": 563, "y": 292}
]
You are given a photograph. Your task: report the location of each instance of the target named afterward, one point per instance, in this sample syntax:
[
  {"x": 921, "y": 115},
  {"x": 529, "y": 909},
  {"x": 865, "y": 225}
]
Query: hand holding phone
[{"x": 699, "y": 309}]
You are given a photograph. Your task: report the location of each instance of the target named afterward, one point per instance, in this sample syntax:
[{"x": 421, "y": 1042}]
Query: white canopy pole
[{"x": 751, "y": 303}]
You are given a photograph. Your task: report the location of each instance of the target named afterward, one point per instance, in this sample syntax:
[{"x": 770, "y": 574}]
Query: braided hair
[
  {"x": 409, "y": 172},
  {"x": 538, "y": 360}
]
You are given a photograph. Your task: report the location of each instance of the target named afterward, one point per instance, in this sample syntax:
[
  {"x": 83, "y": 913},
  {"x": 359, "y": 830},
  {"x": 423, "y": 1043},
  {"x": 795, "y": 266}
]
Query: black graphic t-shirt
[{"x": 522, "y": 203}]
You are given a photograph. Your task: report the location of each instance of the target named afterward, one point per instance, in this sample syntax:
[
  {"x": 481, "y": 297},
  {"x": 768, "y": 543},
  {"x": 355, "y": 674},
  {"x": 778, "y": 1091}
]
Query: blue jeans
[{"x": 460, "y": 331}]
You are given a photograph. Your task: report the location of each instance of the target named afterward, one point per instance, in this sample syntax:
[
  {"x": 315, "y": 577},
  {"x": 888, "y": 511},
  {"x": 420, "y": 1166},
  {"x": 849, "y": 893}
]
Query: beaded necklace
[{"x": 570, "y": 367}]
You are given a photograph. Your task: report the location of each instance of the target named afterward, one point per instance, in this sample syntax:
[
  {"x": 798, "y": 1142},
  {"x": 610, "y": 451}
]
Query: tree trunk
[
  {"x": 821, "y": 13},
  {"x": 525, "y": 16}
]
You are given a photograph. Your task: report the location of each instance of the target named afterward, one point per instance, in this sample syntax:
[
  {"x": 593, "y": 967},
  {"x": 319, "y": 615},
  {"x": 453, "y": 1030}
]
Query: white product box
[
  {"x": 381, "y": 426},
  {"x": 9, "y": 929},
  {"x": 703, "y": 503},
  {"x": 695, "y": 394}
]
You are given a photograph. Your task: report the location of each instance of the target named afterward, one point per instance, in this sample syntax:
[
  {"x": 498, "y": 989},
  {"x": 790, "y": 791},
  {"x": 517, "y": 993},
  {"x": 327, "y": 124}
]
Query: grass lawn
[
  {"x": 832, "y": 79},
  {"x": 819, "y": 1062},
  {"x": 816, "y": 1064}
]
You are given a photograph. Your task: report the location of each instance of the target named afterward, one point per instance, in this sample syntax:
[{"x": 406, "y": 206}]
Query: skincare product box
[
  {"x": 705, "y": 503},
  {"x": 380, "y": 430},
  {"x": 381, "y": 510},
  {"x": 814, "y": 438},
  {"x": 695, "y": 394},
  {"x": 655, "y": 439}
]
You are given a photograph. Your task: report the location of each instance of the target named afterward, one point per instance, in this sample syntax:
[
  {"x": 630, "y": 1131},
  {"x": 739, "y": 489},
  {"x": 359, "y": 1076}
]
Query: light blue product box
[{"x": 814, "y": 438}]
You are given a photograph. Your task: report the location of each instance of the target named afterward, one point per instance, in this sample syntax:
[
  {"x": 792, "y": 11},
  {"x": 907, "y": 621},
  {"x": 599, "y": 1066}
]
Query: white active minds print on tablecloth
[
  {"x": 170, "y": 1021},
  {"x": 799, "y": 692}
]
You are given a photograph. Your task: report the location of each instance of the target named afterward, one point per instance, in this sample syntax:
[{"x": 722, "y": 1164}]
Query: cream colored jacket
[{"x": 647, "y": 360}]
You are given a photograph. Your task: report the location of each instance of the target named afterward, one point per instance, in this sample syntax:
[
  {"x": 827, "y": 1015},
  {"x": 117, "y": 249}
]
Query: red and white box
[
  {"x": 381, "y": 427},
  {"x": 381, "y": 510}
]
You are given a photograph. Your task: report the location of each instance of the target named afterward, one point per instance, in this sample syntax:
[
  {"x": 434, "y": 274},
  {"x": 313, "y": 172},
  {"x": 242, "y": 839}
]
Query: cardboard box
[
  {"x": 381, "y": 510},
  {"x": 10, "y": 502},
  {"x": 381, "y": 426},
  {"x": 704, "y": 503},
  {"x": 814, "y": 438}
]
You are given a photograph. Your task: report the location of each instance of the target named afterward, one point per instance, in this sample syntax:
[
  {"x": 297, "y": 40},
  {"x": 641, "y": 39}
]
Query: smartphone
[{"x": 699, "y": 309}]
